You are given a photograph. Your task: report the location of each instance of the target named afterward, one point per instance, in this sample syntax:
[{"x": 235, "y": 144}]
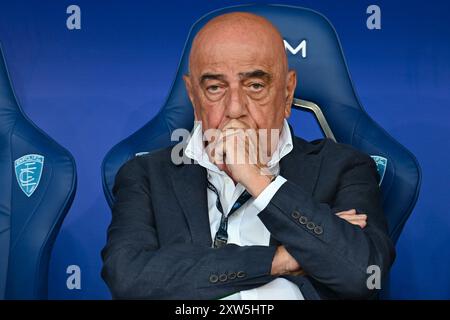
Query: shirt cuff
[{"x": 267, "y": 194}]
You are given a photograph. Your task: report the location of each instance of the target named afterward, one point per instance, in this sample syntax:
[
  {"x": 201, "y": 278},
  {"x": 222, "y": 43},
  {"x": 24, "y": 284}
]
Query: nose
[{"x": 235, "y": 103}]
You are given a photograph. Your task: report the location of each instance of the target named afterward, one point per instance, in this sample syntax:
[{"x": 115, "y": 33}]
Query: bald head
[{"x": 241, "y": 30}]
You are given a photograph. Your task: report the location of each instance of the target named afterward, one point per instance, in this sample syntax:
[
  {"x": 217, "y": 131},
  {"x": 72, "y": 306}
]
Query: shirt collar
[{"x": 285, "y": 145}]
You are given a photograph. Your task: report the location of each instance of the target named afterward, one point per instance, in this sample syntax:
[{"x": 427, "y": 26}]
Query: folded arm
[
  {"x": 329, "y": 249},
  {"x": 136, "y": 266}
]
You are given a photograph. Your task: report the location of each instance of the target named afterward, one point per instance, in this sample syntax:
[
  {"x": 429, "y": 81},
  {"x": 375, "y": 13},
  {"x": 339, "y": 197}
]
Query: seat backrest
[
  {"x": 37, "y": 186},
  {"x": 315, "y": 52}
]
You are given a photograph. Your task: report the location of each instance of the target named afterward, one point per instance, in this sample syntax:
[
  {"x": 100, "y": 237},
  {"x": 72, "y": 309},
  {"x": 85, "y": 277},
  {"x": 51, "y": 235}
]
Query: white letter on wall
[
  {"x": 74, "y": 20},
  {"x": 374, "y": 20},
  {"x": 74, "y": 280}
]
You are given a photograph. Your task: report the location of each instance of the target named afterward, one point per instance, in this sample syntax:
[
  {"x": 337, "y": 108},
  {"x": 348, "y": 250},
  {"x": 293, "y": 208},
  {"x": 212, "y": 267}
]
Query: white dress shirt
[{"x": 244, "y": 226}]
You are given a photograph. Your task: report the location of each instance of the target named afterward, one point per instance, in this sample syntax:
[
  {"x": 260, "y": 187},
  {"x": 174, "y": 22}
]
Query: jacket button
[
  {"x": 303, "y": 220},
  {"x": 232, "y": 275},
  {"x": 310, "y": 225},
  {"x": 318, "y": 230},
  {"x": 295, "y": 214},
  {"x": 223, "y": 277},
  {"x": 241, "y": 274},
  {"x": 213, "y": 278}
]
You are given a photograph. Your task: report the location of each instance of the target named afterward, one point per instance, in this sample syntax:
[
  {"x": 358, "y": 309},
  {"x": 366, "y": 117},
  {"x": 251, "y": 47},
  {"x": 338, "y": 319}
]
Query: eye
[
  {"x": 213, "y": 89},
  {"x": 256, "y": 86}
]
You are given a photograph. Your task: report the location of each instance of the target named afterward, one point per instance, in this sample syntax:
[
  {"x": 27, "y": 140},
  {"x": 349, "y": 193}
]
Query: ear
[
  {"x": 188, "y": 84},
  {"x": 291, "y": 84},
  {"x": 190, "y": 92}
]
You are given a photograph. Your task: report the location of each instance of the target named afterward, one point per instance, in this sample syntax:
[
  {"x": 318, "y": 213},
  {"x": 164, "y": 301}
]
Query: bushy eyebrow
[
  {"x": 261, "y": 74},
  {"x": 256, "y": 74},
  {"x": 211, "y": 76}
]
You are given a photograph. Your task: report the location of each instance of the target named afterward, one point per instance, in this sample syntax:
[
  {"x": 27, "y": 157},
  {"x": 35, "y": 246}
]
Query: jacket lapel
[
  {"x": 302, "y": 165},
  {"x": 189, "y": 183}
]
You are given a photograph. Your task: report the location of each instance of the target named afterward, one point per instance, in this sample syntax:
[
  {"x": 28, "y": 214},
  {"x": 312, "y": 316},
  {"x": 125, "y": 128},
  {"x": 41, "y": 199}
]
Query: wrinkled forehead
[
  {"x": 234, "y": 42},
  {"x": 233, "y": 55}
]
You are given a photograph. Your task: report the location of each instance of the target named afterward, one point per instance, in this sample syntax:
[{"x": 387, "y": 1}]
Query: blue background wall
[{"x": 92, "y": 87}]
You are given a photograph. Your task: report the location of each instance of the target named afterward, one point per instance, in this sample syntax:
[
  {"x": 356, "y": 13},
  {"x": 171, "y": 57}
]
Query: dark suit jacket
[{"x": 159, "y": 240}]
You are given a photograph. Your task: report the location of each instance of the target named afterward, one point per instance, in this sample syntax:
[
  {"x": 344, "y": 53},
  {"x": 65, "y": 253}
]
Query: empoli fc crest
[
  {"x": 381, "y": 163},
  {"x": 28, "y": 172}
]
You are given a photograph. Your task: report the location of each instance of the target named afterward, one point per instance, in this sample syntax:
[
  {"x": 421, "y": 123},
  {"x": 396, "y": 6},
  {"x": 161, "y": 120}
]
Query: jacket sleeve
[
  {"x": 136, "y": 266},
  {"x": 332, "y": 251}
]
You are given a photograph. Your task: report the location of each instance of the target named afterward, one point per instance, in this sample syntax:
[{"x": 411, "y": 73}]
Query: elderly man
[{"x": 305, "y": 224}]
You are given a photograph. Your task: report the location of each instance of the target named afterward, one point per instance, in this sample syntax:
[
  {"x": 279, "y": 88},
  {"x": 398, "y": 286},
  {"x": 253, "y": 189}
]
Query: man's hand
[
  {"x": 351, "y": 216},
  {"x": 283, "y": 263},
  {"x": 236, "y": 152}
]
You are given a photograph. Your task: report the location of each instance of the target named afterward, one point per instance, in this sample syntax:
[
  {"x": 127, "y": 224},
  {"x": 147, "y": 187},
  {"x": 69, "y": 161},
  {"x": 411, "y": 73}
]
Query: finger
[
  {"x": 297, "y": 273},
  {"x": 217, "y": 151},
  {"x": 240, "y": 148},
  {"x": 234, "y": 147},
  {"x": 347, "y": 212},
  {"x": 255, "y": 149},
  {"x": 356, "y": 220},
  {"x": 360, "y": 222},
  {"x": 253, "y": 152},
  {"x": 351, "y": 211},
  {"x": 353, "y": 216},
  {"x": 230, "y": 132},
  {"x": 235, "y": 124}
]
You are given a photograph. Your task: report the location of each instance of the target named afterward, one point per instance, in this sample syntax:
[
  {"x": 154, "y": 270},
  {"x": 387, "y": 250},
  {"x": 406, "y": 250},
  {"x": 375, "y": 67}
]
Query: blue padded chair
[
  {"x": 325, "y": 88},
  {"x": 37, "y": 186}
]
